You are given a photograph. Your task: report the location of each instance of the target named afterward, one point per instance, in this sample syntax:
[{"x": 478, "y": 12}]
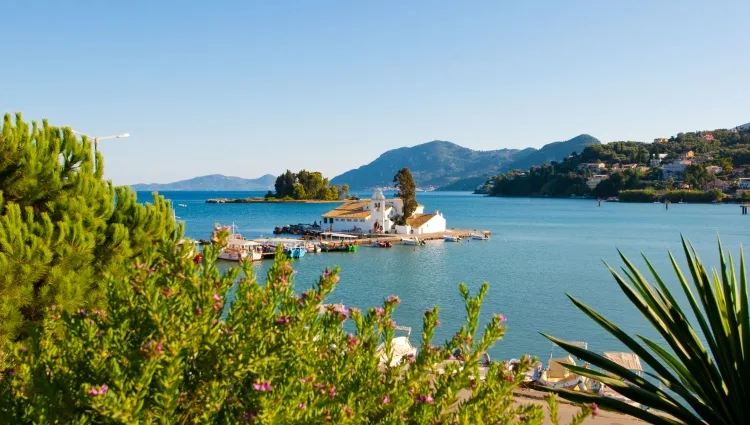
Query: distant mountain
[
  {"x": 556, "y": 151},
  {"x": 435, "y": 164},
  {"x": 212, "y": 182}
]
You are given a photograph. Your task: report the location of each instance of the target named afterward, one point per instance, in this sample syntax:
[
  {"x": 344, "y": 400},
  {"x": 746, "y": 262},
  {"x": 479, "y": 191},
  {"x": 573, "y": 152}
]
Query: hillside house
[
  {"x": 675, "y": 169},
  {"x": 593, "y": 166},
  {"x": 707, "y": 135},
  {"x": 661, "y": 140},
  {"x": 743, "y": 185},
  {"x": 718, "y": 184},
  {"x": 714, "y": 169},
  {"x": 687, "y": 155},
  {"x": 379, "y": 215}
]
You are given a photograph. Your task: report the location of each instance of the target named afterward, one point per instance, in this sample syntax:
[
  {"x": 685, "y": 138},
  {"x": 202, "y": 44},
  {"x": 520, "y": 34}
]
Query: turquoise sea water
[{"x": 541, "y": 249}]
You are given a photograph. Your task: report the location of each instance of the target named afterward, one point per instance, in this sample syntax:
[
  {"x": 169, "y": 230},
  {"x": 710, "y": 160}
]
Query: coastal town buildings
[
  {"x": 379, "y": 215},
  {"x": 661, "y": 140}
]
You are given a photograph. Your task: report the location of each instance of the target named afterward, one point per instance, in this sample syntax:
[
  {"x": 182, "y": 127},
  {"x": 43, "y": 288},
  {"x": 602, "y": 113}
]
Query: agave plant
[{"x": 691, "y": 383}]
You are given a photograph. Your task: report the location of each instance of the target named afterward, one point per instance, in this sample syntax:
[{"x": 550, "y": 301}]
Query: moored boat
[
  {"x": 557, "y": 376},
  {"x": 295, "y": 251},
  {"x": 382, "y": 244},
  {"x": 481, "y": 236},
  {"x": 400, "y": 347},
  {"x": 412, "y": 241},
  {"x": 238, "y": 248},
  {"x": 451, "y": 238}
]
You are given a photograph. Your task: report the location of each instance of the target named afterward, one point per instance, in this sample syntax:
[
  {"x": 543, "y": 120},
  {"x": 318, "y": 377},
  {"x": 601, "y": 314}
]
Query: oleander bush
[{"x": 182, "y": 342}]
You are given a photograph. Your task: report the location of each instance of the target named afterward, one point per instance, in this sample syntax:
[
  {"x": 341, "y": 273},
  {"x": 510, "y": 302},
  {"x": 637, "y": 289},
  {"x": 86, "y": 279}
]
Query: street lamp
[{"x": 96, "y": 139}]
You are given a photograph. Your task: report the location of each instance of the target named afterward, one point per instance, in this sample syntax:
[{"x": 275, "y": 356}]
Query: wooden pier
[{"x": 744, "y": 208}]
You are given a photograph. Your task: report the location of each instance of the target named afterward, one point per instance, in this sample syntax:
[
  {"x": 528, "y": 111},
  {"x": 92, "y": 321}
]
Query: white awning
[{"x": 337, "y": 235}]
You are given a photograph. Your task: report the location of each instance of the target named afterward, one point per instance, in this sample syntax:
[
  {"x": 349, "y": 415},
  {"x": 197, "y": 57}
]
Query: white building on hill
[{"x": 379, "y": 215}]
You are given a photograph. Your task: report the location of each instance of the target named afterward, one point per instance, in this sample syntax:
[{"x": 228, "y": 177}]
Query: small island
[{"x": 304, "y": 187}]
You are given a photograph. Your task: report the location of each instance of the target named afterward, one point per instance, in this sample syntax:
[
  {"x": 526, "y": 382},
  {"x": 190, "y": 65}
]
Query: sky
[{"x": 248, "y": 88}]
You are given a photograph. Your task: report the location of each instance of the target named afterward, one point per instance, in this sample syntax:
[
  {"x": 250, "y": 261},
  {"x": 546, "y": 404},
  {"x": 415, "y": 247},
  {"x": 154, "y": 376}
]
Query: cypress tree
[
  {"x": 62, "y": 227},
  {"x": 407, "y": 191}
]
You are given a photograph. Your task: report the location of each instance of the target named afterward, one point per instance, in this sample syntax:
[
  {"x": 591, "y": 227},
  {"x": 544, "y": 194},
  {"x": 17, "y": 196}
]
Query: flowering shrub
[{"x": 168, "y": 350}]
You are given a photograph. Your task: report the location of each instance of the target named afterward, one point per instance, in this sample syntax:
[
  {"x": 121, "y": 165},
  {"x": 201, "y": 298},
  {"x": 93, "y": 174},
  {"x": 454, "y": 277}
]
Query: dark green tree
[
  {"x": 63, "y": 228},
  {"x": 407, "y": 191},
  {"x": 285, "y": 184}
]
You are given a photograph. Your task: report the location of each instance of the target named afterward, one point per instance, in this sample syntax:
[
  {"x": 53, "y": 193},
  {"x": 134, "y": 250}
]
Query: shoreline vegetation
[{"x": 698, "y": 167}]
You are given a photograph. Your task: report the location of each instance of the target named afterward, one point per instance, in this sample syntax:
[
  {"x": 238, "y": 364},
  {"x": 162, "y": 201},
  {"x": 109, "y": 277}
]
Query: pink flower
[
  {"x": 412, "y": 358},
  {"x": 283, "y": 320},
  {"x": 332, "y": 391},
  {"x": 509, "y": 378},
  {"x": 393, "y": 299},
  {"x": 594, "y": 409},
  {"x": 301, "y": 406},
  {"x": 160, "y": 348},
  {"x": 83, "y": 313},
  {"x": 217, "y": 297},
  {"x": 425, "y": 399},
  {"x": 340, "y": 309},
  {"x": 502, "y": 318},
  {"x": 263, "y": 386},
  {"x": 379, "y": 312},
  {"x": 327, "y": 272},
  {"x": 386, "y": 400},
  {"x": 99, "y": 391},
  {"x": 392, "y": 324},
  {"x": 167, "y": 292},
  {"x": 306, "y": 380}
]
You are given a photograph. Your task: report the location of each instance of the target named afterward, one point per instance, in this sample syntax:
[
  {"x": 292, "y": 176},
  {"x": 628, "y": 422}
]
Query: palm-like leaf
[{"x": 706, "y": 385}]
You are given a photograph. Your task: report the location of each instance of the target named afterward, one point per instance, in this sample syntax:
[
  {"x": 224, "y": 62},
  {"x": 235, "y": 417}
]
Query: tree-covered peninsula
[{"x": 704, "y": 166}]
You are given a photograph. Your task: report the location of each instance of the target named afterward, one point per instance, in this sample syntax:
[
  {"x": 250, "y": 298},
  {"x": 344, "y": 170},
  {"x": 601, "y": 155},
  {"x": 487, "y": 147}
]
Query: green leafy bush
[
  {"x": 169, "y": 350},
  {"x": 691, "y": 382}
]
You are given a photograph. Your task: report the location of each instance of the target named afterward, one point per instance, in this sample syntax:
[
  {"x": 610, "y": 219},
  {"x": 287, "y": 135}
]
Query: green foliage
[
  {"x": 168, "y": 350},
  {"x": 696, "y": 175},
  {"x": 639, "y": 195},
  {"x": 62, "y": 227},
  {"x": 707, "y": 384},
  {"x": 617, "y": 182},
  {"x": 547, "y": 180},
  {"x": 304, "y": 185},
  {"x": 407, "y": 191},
  {"x": 696, "y": 196}
]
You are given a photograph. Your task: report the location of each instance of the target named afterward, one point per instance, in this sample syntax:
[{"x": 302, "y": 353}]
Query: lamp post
[{"x": 96, "y": 139}]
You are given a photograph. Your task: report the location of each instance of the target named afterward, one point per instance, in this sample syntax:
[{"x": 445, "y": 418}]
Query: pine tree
[
  {"x": 407, "y": 191},
  {"x": 62, "y": 227}
]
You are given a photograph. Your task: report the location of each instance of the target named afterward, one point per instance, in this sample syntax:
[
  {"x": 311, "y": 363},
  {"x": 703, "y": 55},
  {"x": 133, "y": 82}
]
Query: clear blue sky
[{"x": 247, "y": 88}]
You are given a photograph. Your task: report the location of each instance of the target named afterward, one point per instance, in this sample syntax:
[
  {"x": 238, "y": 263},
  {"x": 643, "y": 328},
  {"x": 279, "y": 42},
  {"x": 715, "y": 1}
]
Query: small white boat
[
  {"x": 239, "y": 248},
  {"x": 557, "y": 376},
  {"x": 412, "y": 241},
  {"x": 481, "y": 236},
  {"x": 400, "y": 348},
  {"x": 182, "y": 205},
  {"x": 451, "y": 238}
]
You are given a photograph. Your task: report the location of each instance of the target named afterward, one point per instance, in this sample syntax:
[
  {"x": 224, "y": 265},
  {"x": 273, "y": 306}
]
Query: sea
[{"x": 541, "y": 251}]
